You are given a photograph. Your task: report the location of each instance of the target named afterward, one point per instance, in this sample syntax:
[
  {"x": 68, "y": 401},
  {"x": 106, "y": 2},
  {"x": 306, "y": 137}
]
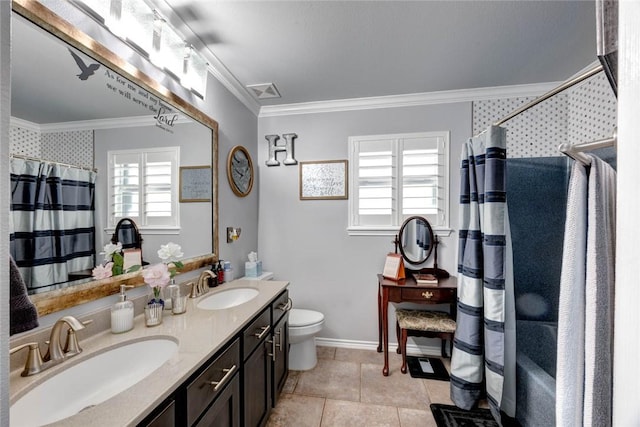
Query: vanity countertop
[{"x": 200, "y": 334}]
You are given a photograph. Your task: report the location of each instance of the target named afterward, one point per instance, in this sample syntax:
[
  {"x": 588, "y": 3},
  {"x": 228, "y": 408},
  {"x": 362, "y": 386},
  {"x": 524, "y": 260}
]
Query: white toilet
[{"x": 303, "y": 327}]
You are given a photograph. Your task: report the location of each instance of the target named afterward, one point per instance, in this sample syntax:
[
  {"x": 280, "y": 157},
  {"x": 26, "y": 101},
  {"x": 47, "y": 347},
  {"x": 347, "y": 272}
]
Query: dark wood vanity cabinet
[
  {"x": 164, "y": 416},
  {"x": 257, "y": 386},
  {"x": 213, "y": 397},
  {"x": 280, "y": 312},
  {"x": 266, "y": 364},
  {"x": 241, "y": 383},
  {"x": 225, "y": 410}
]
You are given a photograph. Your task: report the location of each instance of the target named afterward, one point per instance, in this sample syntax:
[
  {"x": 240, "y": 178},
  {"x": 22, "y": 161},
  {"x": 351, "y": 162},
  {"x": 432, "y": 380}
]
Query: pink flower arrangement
[
  {"x": 102, "y": 271},
  {"x": 157, "y": 277}
]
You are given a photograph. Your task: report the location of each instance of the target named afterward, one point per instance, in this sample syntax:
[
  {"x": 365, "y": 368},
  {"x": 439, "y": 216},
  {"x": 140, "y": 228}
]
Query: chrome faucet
[
  {"x": 36, "y": 363},
  {"x": 55, "y": 348},
  {"x": 201, "y": 287}
]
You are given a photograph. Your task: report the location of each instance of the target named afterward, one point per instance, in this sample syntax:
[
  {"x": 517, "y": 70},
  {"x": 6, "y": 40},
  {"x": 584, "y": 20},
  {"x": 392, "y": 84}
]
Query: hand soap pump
[{"x": 122, "y": 313}]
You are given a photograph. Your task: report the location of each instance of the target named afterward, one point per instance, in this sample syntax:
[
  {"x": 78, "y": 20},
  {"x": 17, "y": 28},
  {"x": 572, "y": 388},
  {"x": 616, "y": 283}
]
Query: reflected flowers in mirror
[
  {"x": 113, "y": 264},
  {"x": 102, "y": 271},
  {"x": 170, "y": 254}
]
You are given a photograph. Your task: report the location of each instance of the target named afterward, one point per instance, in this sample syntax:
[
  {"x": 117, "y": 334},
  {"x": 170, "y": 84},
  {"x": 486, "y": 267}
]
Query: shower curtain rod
[
  {"x": 576, "y": 151},
  {"x": 566, "y": 85},
  {"x": 18, "y": 156},
  {"x": 573, "y": 151}
]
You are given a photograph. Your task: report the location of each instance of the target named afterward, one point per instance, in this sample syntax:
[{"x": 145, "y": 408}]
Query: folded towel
[
  {"x": 599, "y": 295},
  {"x": 23, "y": 314},
  {"x": 571, "y": 310}
]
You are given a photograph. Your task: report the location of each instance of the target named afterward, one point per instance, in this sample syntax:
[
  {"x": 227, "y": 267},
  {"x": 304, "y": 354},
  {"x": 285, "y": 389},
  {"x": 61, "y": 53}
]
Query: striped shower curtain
[
  {"x": 51, "y": 224},
  {"x": 483, "y": 359}
]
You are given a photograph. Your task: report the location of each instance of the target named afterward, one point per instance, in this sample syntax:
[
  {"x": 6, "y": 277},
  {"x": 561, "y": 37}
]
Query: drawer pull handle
[
  {"x": 264, "y": 331},
  {"x": 272, "y": 355},
  {"x": 228, "y": 372},
  {"x": 427, "y": 294},
  {"x": 287, "y": 306},
  {"x": 279, "y": 334}
]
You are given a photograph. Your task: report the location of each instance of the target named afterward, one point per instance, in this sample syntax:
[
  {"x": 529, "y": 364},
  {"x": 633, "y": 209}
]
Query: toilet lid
[{"x": 302, "y": 317}]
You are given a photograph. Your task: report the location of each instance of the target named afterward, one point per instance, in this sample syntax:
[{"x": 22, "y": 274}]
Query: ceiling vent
[{"x": 264, "y": 91}]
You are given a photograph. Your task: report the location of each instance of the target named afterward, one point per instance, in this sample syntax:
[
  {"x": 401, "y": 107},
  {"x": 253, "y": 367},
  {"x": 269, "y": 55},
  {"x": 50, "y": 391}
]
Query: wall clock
[{"x": 240, "y": 171}]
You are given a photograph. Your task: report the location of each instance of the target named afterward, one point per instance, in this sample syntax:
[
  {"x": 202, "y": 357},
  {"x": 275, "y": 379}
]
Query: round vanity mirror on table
[{"x": 416, "y": 240}]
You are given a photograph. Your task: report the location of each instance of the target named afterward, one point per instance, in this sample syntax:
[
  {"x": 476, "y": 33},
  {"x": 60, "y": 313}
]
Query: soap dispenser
[{"x": 122, "y": 313}]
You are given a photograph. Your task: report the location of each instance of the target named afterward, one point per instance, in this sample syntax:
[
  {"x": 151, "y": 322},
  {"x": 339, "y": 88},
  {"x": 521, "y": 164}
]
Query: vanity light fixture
[
  {"x": 233, "y": 234},
  {"x": 145, "y": 29}
]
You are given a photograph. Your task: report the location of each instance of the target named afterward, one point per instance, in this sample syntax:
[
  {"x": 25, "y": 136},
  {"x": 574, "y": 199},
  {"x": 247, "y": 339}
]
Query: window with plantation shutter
[
  {"x": 393, "y": 177},
  {"x": 144, "y": 186}
]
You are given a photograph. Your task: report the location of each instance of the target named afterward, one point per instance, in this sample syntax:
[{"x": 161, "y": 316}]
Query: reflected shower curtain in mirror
[
  {"x": 483, "y": 358},
  {"x": 51, "y": 224}
]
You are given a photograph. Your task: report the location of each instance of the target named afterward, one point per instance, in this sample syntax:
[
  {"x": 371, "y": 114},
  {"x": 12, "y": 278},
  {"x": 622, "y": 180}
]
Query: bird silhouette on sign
[{"x": 85, "y": 70}]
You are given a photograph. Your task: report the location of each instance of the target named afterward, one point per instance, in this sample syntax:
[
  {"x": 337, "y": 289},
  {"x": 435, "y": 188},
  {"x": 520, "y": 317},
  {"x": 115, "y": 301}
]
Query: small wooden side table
[{"x": 407, "y": 290}]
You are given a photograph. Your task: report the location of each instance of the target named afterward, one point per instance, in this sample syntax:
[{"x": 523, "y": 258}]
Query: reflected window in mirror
[
  {"x": 144, "y": 186},
  {"x": 395, "y": 177}
]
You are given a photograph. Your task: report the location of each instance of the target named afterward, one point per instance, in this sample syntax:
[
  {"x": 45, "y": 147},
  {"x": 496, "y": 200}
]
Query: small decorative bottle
[
  {"x": 213, "y": 281},
  {"x": 122, "y": 313},
  {"x": 168, "y": 294},
  {"x": 220, "y": 273},
  {"x": 228, "y": 271}
]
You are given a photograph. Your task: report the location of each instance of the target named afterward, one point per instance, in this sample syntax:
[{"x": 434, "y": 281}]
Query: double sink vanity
[{"x": 223, "y": 362}]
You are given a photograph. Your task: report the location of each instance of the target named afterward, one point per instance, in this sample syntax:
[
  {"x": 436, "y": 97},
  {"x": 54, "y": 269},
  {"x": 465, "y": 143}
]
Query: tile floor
[{"x": 347, "y": 388}]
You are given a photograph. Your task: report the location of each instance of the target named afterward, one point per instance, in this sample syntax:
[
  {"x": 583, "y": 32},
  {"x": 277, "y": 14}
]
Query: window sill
[
  {"x": 392, "y": 231},
  {"x": 150, "y": 230}
]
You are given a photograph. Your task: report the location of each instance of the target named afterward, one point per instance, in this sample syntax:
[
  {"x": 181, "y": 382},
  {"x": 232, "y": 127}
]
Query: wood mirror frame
[{"x": 40, "y": 15}]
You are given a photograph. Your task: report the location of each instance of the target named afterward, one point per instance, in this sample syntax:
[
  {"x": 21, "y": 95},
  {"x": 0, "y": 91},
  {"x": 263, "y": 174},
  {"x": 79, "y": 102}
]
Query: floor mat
[
  {"x": 452, "y": 416},
  {"x": 427, "y": 367}
]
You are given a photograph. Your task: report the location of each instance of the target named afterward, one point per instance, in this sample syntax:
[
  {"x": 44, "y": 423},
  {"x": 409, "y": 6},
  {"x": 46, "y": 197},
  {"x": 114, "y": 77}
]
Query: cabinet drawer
[
  {"x": 202, "y": 390},
  {"x": 166, "y": 418},
  {"x": 257, "y": 331},
  {"x": 433, "y": 295},
  {"x": 280, "y": 306}
]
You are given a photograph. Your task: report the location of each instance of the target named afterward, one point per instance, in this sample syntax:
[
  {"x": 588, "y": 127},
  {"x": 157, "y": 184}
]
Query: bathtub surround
[
  {"x": 585, "y": 319},
  {"x": 537, "y": 189},
  {"x": 483, "y": 359}
]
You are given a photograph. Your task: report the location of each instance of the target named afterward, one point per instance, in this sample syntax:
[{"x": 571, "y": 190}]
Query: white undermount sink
[
  {"x": 91, "y": 381},
  {"x": 227, "y": 298}
]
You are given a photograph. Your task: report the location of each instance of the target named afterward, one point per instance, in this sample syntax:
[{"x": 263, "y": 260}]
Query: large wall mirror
[{"x": 77, "y": 110}]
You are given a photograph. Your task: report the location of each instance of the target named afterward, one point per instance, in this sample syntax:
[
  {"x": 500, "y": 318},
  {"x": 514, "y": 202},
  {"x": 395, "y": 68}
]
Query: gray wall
[{"x": 306, "y": 242}]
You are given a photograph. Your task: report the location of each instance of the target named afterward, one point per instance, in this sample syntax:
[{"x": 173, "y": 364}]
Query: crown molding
[
  {"x": 215, "y": 67},
  {"x": 409, "y": 100},
  {"x": 24, "y": 124}
]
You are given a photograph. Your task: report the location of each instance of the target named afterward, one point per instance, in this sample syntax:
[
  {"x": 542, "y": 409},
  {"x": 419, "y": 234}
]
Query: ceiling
[
  {"x": 316, "y": 51},
  {"x": 334, "y": 50}
]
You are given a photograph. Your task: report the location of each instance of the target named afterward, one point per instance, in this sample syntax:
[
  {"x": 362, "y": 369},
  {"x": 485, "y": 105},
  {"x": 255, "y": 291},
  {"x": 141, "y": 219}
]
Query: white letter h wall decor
[{"x": 288, "y": 147}]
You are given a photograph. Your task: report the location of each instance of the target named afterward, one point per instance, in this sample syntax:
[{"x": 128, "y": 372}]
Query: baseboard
[{"x": 412, "y": 349}]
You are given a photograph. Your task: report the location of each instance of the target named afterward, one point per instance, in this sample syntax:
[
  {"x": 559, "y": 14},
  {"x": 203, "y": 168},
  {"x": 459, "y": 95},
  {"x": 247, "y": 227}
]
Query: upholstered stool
[{"x": 422, "y": 323}]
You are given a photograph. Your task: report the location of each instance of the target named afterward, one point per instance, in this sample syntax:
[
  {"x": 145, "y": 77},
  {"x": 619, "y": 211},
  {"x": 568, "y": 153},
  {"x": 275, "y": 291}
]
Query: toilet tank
[{"x": 267, "y": 275}]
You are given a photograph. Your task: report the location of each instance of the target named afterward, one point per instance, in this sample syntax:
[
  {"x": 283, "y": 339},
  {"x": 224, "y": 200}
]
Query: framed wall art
[
  {"x": 195, "y": 184},
  {"x": 324, "y": 180}
]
